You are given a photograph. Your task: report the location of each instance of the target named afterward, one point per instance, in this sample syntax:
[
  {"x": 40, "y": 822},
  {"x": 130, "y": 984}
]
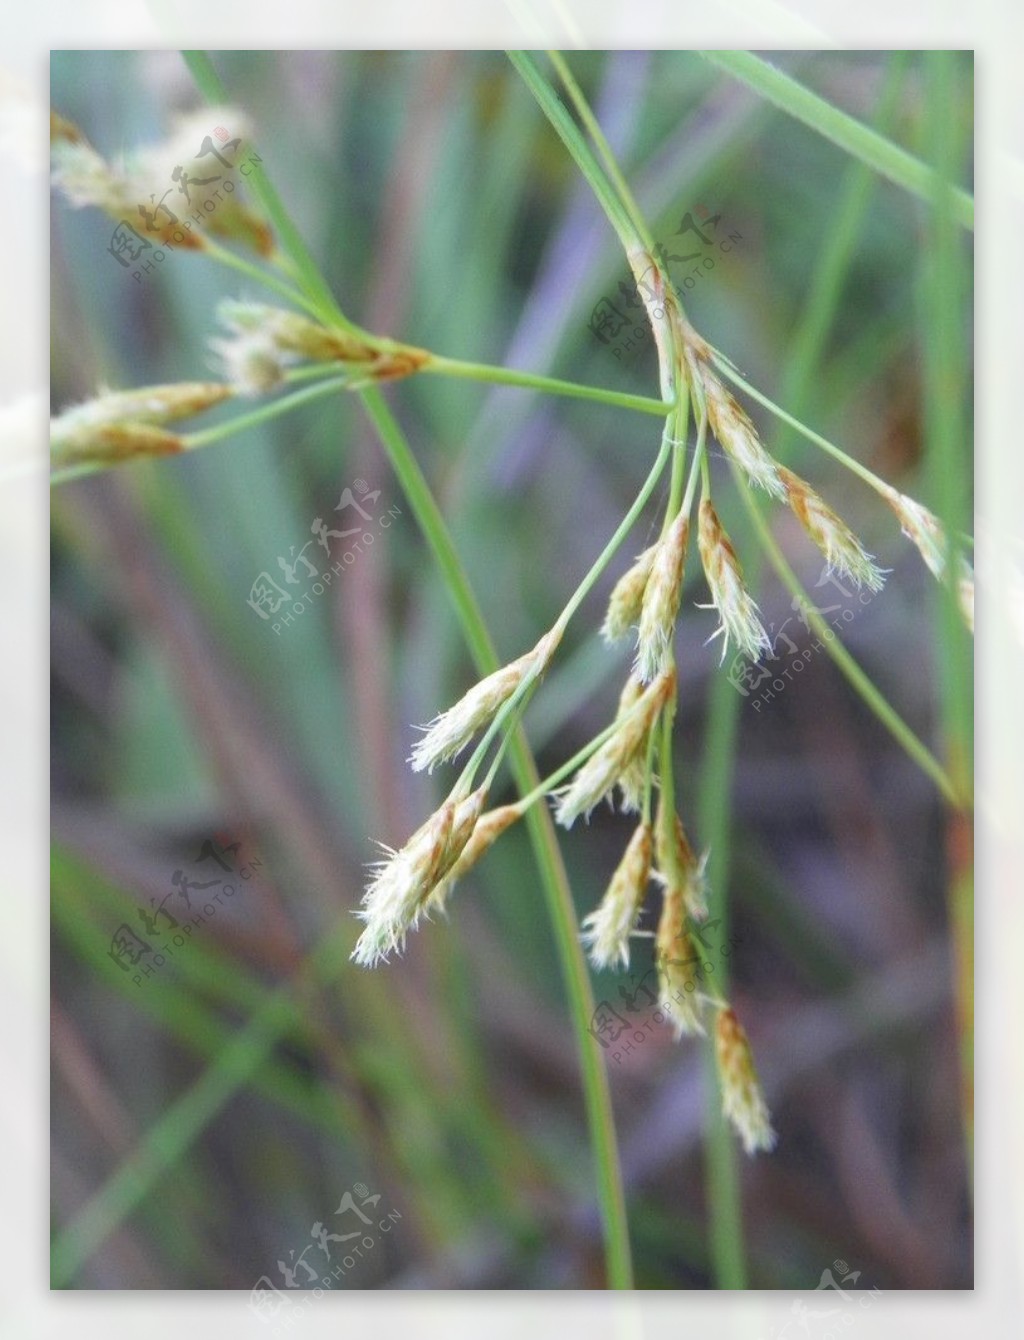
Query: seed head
[
  {"x": 448, "y": 734},
  {"x": 627, "y": 597},
  {"x": 605, "y": 767},
  {"x": 677, "y": 962},
  {"x": 484, "y": 835},
  {"x": 738, "y": 436},
  {"x": 742, "y": 1100},
  {"x": 397, "y": 895},
  {"x": 661, "y": 601},
  {"x": 119, "y": 425},
  {"x": 606, "y": 930},
  {"x": 843, "y": 552},
  {"x": 925, "y": 530},
  {"x": 732, "y": 600},
  {"x": 633, "y": 780},
  {"x": 677, "y": 866}
]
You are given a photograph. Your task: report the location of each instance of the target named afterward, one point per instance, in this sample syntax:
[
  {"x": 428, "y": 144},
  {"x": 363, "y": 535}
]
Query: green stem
[
  {"x": 845, "y": 131},
  {"x": 482, "y": 372},
  {"x": 517, "y": 701},
  {"x": 588, "y": 118},
  {"x": 288, "y": 236},
  {"x": 597, "y": 1096},
  {"x": 581, "y": 152},
  {"x": 284, "y": 405},
  {"x": 713, "y": 822},
  {"x": 225, "y": 257},
  {"x": 858, "y": 680}
]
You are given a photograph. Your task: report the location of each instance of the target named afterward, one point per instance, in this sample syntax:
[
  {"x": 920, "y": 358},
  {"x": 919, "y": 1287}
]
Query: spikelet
[
  {"x": 661, "y": 601},
  {"x": 398, "y": 894},
  {"x": 677, "y": 866},
  {"x": 925, "y": 530},
  {"x": 738, "y": 436},
  {"x": 626, "y": 599},
  {"x": 120, "y": 425},
  {"x": 732, "y": 600},
  {"x": 632, "y": 781},
  {"x": 605, "y": 767},
  {"x": 486, "y": 832},
  {"x": 843, "y": 552},
  {"x": 742, "y": 1100},
  {"x": 395, "y": 895},
  {"x": 677, "y": 962},
  {"x": 449, "y": 733},
  {"x": 606, "y": 930},
  {"x": 146, "y": 180},
  {"x": 262, "y": 341}
]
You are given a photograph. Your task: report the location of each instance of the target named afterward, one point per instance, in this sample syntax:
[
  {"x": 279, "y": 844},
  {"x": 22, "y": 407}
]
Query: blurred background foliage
[{"x": 205, "y": 1118}]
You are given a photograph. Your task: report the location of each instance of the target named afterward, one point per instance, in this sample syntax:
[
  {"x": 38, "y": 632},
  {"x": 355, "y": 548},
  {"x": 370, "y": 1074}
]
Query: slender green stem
[
  {"x": 288, "y": 236},
  {"x": 482, "y": 372},
  {"x": 859, "y": 681},
  {"x": 581, "y": 152},
  {"x": 597, "y": 1096},
  {"x": 713, "y": 824},
  {"x": 225, "y": 257},
  {"x": 843, "y": 130},
  {"x": 588, "y": 118},
  {"x": 284, "y": 405},
  {"x": 517, "y": 701}
]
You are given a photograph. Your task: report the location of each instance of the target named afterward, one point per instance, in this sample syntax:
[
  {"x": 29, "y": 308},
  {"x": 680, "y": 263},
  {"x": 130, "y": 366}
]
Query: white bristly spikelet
[
  {"x": 661, "y": 602},
  {"x": 742, "y": 1100},
  {"x": 607, "y": 929},
  {"x": 632, "y": 781},
  {"x": 398, "y": 895},
  {"x": 118, "y": 425},
  {"x": 738, "y": 436},
  {"x": 486, "y": 832},
  {"x": 925, "y": 530},
  {"x": 626, "y": 599},
  {"x": 449, "y": 733},
  {"x": 843, "y": 552},
  {"x": 677, "y": 866},
  {"x": 732, "y": 600},
  {"x": 605, "y": 767},
  {"x": 676, "y": 960}
]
